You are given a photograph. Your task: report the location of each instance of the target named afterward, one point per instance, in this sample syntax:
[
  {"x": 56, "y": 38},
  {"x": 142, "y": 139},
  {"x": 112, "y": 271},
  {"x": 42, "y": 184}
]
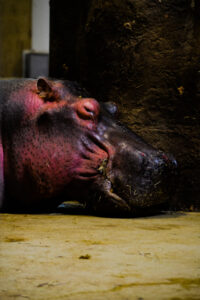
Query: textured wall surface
[
  {"x": 144, "y": 55},
  {"x": 15, "y": 35}
]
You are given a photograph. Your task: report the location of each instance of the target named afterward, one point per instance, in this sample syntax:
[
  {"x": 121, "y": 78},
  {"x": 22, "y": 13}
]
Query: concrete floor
[{"x": 85, "y": 257}]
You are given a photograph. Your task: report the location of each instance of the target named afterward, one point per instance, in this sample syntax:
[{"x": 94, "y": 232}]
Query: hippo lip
[
  {"x": 93, "y": 156},
  {"x": 105, "y": 169},
  {"x": 98, "y": 141}
]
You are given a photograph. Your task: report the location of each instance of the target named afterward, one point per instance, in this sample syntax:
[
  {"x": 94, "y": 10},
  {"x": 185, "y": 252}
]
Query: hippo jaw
[{"x": 117, "y": 194}]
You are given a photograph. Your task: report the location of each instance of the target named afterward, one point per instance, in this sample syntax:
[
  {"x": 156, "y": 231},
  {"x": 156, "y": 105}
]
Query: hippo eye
[{"x": 112, "y": 108}]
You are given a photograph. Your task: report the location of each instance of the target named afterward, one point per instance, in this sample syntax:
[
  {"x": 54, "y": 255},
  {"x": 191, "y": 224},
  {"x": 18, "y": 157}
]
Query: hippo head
[
  {"x": 118, "y": 172},
  {"x": 68, "y": 146}
]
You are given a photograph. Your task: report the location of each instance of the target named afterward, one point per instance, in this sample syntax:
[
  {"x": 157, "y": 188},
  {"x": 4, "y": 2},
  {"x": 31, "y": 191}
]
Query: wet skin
[{"x": 58, "y": 144}]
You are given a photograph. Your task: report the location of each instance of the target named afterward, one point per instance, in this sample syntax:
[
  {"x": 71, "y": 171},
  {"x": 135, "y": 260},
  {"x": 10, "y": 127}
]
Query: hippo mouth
[
  {"x": 93, "y": 156},
  {"x": 97, "y": 158},
  {"x": 111, "y": 190},
  {"x": 96, "y": 163}
]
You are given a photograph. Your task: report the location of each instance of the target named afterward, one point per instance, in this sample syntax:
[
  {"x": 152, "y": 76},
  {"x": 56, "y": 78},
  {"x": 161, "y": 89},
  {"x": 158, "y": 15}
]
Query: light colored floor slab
[{"x": 85, "y": 257}]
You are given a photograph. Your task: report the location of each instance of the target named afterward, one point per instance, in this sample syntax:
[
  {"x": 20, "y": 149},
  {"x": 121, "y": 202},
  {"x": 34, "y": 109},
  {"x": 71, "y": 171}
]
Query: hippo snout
[
  {"x": 137, "y": 183},
  {"x": 142, "y": 180},
  {"x": 155, "y": 183},
  {"x": 164, "y": 173}
]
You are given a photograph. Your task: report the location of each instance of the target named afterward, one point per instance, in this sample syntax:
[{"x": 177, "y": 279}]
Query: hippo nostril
[{"x": 89, "y": 110}]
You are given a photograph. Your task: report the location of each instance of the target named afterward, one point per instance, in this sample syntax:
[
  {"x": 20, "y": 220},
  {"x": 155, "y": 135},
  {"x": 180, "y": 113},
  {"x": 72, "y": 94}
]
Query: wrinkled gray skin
[
  {"x": 140, "y": 177},
  {"x": 132, "y": 177}
]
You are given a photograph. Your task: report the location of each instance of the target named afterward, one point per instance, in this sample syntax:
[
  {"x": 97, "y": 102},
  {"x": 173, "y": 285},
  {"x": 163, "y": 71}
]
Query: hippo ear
[{"x": 44, "y": 89}]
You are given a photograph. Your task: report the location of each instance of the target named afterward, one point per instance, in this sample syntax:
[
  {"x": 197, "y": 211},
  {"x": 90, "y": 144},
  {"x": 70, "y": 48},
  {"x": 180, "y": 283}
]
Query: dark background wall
[{"x": 144, "y": 55}]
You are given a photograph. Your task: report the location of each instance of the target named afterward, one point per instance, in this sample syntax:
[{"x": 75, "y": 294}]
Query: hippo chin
[{"x": 57, "y": 144}]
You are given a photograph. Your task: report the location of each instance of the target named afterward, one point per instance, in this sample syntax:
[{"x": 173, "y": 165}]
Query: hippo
[{"x": 59, "y": 144}]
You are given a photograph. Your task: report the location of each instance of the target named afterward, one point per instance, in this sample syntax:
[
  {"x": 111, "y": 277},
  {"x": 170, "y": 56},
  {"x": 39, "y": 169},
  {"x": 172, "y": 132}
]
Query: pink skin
[
  {"x": 53, "y": 162},
  {"x": 87, "y": 111}
]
